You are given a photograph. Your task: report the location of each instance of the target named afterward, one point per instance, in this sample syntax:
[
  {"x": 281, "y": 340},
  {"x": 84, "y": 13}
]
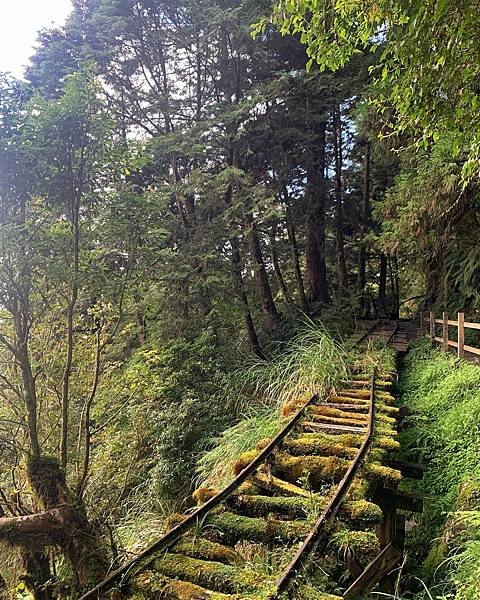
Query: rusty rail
[
  {"x": 317, "y": 535},
  {"x": 392, "y": 335},
  {"x": 172, "y": 536},
  {"x": 365, "y": 334}
]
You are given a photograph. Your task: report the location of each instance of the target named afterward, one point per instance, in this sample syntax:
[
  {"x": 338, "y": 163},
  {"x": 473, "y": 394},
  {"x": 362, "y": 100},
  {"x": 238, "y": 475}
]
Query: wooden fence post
[
  {"x": 445, "y": 332},
  {"x": 432, "y": 328},
  {"x": 461, "y": 335},
  {"x": 422, "y": 326}
]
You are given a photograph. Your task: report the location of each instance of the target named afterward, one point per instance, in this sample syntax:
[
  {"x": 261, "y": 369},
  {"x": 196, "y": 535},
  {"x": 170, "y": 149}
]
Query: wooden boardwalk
[{"x": 395, "y": 333}]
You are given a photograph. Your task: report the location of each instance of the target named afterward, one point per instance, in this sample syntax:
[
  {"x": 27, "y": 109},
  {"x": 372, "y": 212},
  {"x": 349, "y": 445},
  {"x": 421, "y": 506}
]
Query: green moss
[
  {"x": 359, "y": 489},
  {"x": 351, "y": 420},
  {"x": 354, "y": 393},
  {"x": 386, "y": 442},
  {"x": 361, "y": 510},
  {"x": 257, "y": 505},
  {"x": 361, "y": 402},
  {"x": 203, "y": 494},
  {"x": 318, "y": 445},
  {"x": 327, "y": 411},
  {"x": 273, "y": 484},
  {"x": 390, "y": 477},
  {"x": 47, "y": 481},
  {"x": 230, "y": 528},
  {"x": 244, "y": 460},
  {"x": 317, "y": 469},
  {"x": 437, "y": 555},
  {"x": 151, "y": 584},
  {"x": 211, "y": 575},
  {"x": 363, "y": 545},
  {"x": 197, "y": 547}
]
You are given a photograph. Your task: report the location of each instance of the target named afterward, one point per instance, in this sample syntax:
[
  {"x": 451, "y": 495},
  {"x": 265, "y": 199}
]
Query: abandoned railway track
[{"x": 312, "y": 490}]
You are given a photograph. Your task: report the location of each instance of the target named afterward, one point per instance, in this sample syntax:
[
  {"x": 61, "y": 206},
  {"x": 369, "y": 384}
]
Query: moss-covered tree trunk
[{"x": 62, "y": 523}]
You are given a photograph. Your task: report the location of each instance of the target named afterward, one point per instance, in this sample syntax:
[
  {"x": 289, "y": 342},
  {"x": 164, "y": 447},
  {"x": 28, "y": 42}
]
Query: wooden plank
[
  {"x": 408, "y": 469},
  {"x": 374, "y": 572},
  {"x": 466, "y": 348},
  {"x": 333, "y": 428},
  {"x": 348, "y": 407},
  {"x": 472, "y": 325},
  {"x": 432, "y": 327},
  {"x": 402, "y": 500},
  {"x": 445, "y": 331},
  {"x": 471, "y": 349},
  {"x": 461, "y": 335}
]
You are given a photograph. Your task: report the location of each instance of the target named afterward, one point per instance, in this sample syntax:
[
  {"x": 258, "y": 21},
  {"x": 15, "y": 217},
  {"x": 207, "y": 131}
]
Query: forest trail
[{"x": 323, "y": 485}]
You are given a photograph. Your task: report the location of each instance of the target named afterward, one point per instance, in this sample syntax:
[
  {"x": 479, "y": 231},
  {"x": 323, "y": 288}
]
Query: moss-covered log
[
  {"x": 274, "y": 485},
  {"x": 318, "y": 445},
  {"x": 353, "y": 511},
  {"x": 151, "y": 584},
  {"x": 379, "y": 383},
  {"x": 376, "y": 471},
  {"x": 361, "y": 511},
  {"x": 381, "y": 405},
  {"x": 211, "y": 575},
  {"x": 229, "y": 528},
  {"x": 198, "y": 547},
  {"x": 317, "y": 469},
  {"x": 326, "y": 411},
  {"x": 262, "y": 506},
  {"x": 362, "y": 545}
]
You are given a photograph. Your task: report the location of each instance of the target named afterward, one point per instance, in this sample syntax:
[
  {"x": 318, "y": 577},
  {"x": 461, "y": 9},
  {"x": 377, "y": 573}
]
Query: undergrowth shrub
[
  {"x": 174, "y": 397},
  {"x": 444, "y": 396}
]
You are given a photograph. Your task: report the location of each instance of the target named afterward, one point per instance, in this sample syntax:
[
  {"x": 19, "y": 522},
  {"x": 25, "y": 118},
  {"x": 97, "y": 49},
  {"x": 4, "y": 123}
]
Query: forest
[{"x": 200, "y": 202}]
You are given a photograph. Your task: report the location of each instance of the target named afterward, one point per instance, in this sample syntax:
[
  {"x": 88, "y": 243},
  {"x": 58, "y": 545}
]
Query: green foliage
[
  {"x": 431, "y": 219},
  {"x": 444, "y": 395},
  {"x": 428, "y": 66}
]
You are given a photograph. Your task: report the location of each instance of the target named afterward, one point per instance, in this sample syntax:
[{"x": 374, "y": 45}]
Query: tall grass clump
[
  {"x": 312, "y": 362},
  {"x": 373, "y": 354},
  {"x": 215, "y": 467}
]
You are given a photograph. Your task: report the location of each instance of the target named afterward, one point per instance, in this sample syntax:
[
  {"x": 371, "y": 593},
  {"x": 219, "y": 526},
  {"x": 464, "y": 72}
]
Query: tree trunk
[
  {"x": 363, "y": 229},
  {"x": 395, "y": 286},
  {"x": 382, "y": 288},
  {"x": 74, "y": 224},
  {"x": 277, "y": 269},
  {"x": 339, "y": 238},
  {"x": 315, "y": 222},
  {"x": 242, "y": 294},
  {"x": 37, "y": 576},
  {"x": 269, "y": 310},
  {"x": 292, "y": 238},
  {"x": 63, "y": 523},
  {"x": 23, "y": 357}
]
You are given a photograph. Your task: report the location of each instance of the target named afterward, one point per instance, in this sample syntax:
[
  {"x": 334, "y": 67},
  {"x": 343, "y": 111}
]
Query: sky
[{"x": 19, "y": 23}]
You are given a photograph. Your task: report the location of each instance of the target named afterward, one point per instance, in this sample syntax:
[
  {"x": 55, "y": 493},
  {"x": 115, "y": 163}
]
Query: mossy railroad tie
[{"x": 273, "y": 510}]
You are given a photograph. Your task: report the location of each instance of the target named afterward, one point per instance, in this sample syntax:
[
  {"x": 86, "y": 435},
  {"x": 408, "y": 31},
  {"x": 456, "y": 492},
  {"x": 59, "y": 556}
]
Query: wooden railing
[{"x": 445, "y": 322}]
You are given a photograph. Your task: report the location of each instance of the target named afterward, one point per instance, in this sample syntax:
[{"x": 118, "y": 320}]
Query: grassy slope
[{"x": 444, "y": 546}]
